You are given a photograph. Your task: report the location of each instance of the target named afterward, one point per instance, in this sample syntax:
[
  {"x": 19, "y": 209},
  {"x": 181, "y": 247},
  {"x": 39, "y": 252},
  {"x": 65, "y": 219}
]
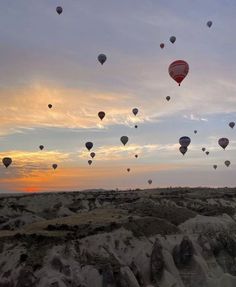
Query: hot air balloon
[
  {"x": 54, "y": 166},
  {"x": 227, "y": 163},
  {"x": 102, "y": 58},
  {"x": 207, "y": 152},
  {"x": 89, "y": 162},
  {"x": 50, "y": 106},
  {"x": 162, "y": 45},
  {"x": 124, "y": 140},
  {"x": 101, "y": 115},
  {"x": 168, "y": 98},
  {"x": 178, "y": 70},
  {"x": 223, "y": 142},
  {"x": 89, "y": 145},
  {"x": 59, "y": 10},
  {"x": 184, "y": 141},
  {"x": 41, "y": 147},
  {"x": 215, "y": 166},
  {"x": 150, "y": 181},
  {"x": 183, "y": 150},
  {"x": 203, "y": 149},
  {"x": 7, "y": 161},
  {"x": 136, "y": 126},
  {"x": 232, "y": 124},
  {"x": 92, "y": 154},
  {"x": 209, "y": 24},
  {"x": 135, "y": 111},
  {"x": 195, "y": 131},
  {"x": 128, "y": 169},
  {"x": 136, "y": 155},
  {"x": 172, "y": 39}
]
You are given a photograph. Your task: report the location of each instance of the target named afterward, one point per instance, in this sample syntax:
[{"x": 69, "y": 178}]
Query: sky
[{"x": 46, "y": 58}]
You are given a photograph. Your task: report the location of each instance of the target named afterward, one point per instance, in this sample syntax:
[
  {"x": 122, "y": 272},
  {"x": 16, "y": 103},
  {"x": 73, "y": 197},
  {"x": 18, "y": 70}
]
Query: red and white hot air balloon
[{"x": 178, "y": 70}]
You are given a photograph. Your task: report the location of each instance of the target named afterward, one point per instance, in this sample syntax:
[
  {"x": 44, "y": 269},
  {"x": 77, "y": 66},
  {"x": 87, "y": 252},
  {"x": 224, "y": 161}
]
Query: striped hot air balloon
[{"x": 178, "y": 70}]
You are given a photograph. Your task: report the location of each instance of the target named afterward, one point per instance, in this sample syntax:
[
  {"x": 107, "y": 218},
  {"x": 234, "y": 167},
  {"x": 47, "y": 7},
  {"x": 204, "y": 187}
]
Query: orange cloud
[{"x": 27, "y": 108}]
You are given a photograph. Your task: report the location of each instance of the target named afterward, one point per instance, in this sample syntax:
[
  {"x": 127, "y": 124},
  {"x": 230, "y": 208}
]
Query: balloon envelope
[
  {"x": 209, "y": 24},
  {"x": 223, "y": 142},
  {"x": 89, "y": 145},
  {"x": 136, "y": 126},
  {"x": 92, "y": 154},
  {"x": 89, "y": 162},
  {"x": 215, "y": 166},
  {"x": 54, "y": 166},
  {"x": 128, "y": 169},
  {"x": 150, "y": 181},
  {"x": 101, "y": 115},
  {"x": 178, "y": 70},
  {"x": 172, "y": 39},
  {"x": 203, "y": 149},
  {"x": 232, "y": 124},
  {"x": 207, "y": 152},
  {"x": 6, "y": 161},
  {"x": 162, "y": 45},
  {"x": 124, "y": 140},
  {"x": 184, "y": 141},
  {"x": 102, "y": 58},
  {"x": 59, "y": 10},
  {"x": 50, "y": 106},
  {"x": 195, "y": 131},
  {"x": 41, "y": 147},
  {"x": 136, "y": 155},
  {"x": 183, "y": 150},
  {"x": 168, "y": 98},
  {"x": 135, "y": 111},
  {"x": 227, "y": 163}
]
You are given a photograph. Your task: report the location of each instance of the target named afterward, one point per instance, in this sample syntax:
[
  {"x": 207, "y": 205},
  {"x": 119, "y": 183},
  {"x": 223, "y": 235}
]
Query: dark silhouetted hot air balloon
[
  {"x": 178, "y": 70},
  {"x": 101, "y": 115},
  {"x": 136, "y": 126},
  {"x": 7, "y": 161},
  {"x": 59, "y": 10},
  {"x": 232, "y": 124},
  {"x": 102, "y": 58},
  {"x": 203, "y": 149},
  {"x": 89, "y": 145},
  {"x": 168, "y": 98},
  {"x": 150, "y": 181},
  {"x": 54, "y": 166},
  {"x": 41, "y": 147},
  {"x": 172, "y": 39},
  {"x": 184, "y": 141},
  {"x": 89, "y": 162},
  {"x": 162, "y": 45},
  {"x": 223, "y": 142},
  {"x": 124, "y": 140},
  {"x": 207, "y": 152},
  {"x": 209, "y": 24},
  {"x": 92, "y": 154},
  {"x": 136, "y": 156},
  {"x": 50, "y": 106},
  {"x": 128, "y": 169},
  {"x": 215, "y": 166},
  {"x": 227, "y": 163},
  {"x": 195, "y": 131},
  {"x": 183, "y": 150},
  {"x": 135, "y": 111}
]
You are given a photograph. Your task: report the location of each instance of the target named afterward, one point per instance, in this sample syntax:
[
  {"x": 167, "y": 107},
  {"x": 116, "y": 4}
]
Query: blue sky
[{"x": 47, "y": 58}]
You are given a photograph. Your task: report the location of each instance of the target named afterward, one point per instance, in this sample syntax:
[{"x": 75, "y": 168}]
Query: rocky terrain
[{"x": 177, "y": 237}]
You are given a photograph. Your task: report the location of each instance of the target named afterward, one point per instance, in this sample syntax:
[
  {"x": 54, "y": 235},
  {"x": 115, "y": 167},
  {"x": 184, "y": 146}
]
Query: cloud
[
  {"x": 25, "y": 108},
  {"x": 193, "y": 117}
]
